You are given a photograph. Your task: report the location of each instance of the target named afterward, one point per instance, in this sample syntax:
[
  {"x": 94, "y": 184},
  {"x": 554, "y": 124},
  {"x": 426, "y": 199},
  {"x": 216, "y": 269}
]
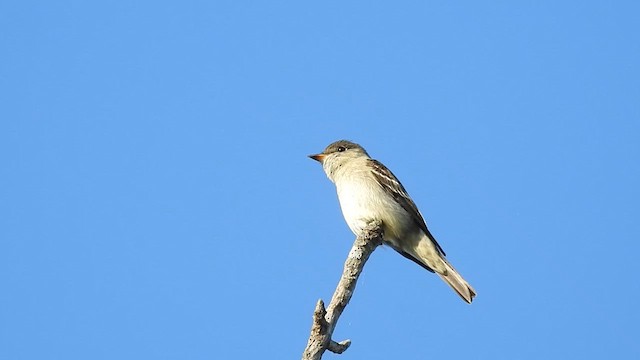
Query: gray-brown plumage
[{"x": 368, "y": 190}]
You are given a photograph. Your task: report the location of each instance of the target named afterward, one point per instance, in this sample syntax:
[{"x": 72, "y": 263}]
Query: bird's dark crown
[{"x": 342, "y": 145}]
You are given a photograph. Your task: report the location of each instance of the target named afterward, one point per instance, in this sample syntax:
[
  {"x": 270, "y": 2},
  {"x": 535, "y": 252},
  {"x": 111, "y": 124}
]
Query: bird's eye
[{"x": 341, "y": 149}]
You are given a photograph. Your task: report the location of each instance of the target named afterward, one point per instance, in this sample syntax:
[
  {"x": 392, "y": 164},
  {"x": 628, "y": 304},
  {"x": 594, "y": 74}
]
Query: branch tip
[{"x": 338, "y": 347}]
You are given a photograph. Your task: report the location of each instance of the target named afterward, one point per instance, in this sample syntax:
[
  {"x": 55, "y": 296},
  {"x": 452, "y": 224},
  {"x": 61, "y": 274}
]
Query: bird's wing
[{"x": 392, "y": 185}]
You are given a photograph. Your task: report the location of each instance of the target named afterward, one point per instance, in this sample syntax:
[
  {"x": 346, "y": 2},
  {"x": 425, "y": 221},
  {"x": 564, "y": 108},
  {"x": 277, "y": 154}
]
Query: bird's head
[{"x": 338, "y": 154}]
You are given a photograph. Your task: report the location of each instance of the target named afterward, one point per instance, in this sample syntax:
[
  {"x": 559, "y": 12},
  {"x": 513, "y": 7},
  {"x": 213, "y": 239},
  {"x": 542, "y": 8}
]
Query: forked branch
[{"x": 324, "y": 321}]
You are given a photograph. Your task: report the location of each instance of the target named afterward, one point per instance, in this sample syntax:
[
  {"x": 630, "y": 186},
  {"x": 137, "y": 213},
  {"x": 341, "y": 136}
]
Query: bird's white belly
[{"x": 362, "y": 202}]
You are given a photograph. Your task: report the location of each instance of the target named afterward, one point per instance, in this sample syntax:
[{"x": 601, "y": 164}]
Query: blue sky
[{"x": 157, "y": 201}]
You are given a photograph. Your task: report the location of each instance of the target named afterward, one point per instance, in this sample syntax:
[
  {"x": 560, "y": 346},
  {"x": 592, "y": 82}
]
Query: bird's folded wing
[{"x": 392, "y": 185}]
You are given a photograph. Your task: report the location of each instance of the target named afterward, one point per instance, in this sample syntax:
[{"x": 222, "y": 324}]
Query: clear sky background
[{"x": 156, "y": 201}]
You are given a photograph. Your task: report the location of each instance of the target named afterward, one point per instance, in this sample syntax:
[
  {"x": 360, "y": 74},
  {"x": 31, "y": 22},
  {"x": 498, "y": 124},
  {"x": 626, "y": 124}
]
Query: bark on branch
[{"x": 324, "y": 321}]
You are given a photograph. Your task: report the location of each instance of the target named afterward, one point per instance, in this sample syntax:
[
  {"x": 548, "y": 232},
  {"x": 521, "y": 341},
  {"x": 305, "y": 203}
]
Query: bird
[{"x": 368, "y": 191}]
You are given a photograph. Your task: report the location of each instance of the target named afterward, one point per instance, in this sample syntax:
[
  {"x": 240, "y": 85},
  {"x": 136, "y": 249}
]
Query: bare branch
[
  {"x": 340, "y": 347},
  {"x": 324, "y": 321}
]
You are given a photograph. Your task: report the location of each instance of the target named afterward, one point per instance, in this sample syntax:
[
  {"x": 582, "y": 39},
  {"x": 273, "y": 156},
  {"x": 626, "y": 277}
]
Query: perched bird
[{"x": 368, "y": 191}]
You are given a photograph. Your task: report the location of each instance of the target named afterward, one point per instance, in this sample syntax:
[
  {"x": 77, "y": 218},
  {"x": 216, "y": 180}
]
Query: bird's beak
[{"x": 318, "y": 157}]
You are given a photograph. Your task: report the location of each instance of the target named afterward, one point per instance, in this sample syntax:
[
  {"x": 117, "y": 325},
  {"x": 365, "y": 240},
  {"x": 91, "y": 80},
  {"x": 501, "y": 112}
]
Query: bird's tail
[{"x": 457, "y": 283}]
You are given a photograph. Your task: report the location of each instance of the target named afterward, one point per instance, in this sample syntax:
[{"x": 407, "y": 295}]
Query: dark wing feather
[{"x": 392, "y": 185}]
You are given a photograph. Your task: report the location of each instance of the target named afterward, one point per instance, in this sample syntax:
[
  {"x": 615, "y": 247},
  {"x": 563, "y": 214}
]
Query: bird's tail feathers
[{"x": 457, "y": 283}]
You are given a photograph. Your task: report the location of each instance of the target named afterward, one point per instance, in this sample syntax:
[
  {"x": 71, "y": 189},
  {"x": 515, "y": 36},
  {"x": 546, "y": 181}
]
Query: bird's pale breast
[{"x": 363, "y": 200}]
